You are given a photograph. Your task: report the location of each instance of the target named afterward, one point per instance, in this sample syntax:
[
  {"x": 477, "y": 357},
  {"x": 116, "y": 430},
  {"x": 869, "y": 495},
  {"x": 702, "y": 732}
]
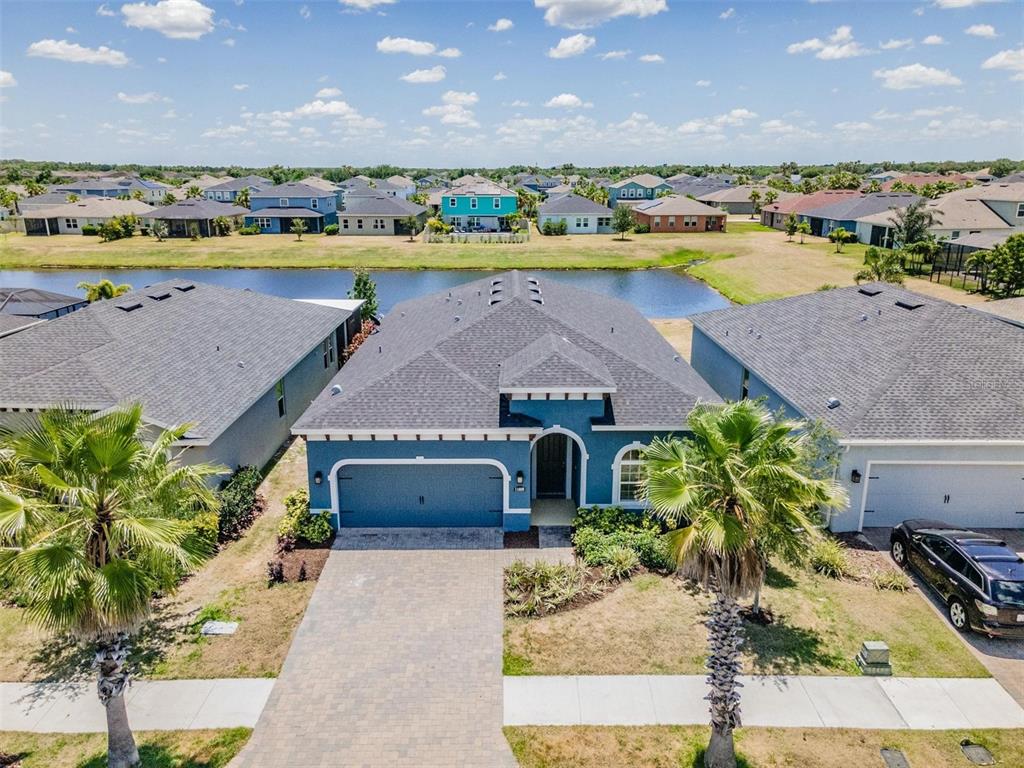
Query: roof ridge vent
[{"x": 494, "y": 300}]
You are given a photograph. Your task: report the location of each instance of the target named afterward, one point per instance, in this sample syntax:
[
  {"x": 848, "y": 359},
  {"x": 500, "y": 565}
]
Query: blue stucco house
[
  {"x": 479, "y": 205},
  {"x": 501, "y": 402},
  {"x": 924, "y": 396},
  {"x": 636, "y": 189},
  {"x": 273, "y": 208},
  {"x": 227, "y": 191}
]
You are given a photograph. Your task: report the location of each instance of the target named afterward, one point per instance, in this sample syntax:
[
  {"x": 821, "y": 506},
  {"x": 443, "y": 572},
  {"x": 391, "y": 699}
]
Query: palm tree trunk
[
  {"x": 724, "y": 641},
  {"x": 111, "y": 662}
]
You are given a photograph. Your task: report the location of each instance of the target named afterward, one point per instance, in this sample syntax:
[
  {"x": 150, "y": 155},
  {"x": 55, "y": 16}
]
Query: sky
[{"x": 421, "y": 83}]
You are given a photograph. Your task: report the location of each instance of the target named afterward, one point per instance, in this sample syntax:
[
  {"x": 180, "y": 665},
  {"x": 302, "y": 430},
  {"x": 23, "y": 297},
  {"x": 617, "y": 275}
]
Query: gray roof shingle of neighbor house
[
  {"x": 850, "y": 208},
  {"x": 33, "y": 302},
  {"x": 188, "y": 351},
  {"x": 380, "y": 205},
  {"x": 903, "y": 366},
  {"x": 439, "y": 362},
  {"x": 196, "y": 208},
  {"x": 643, "y": 179},
  {"x": 291, "y": 189},
  {"x": 677, "y": 205},
  {"x": 571, "y": 205},
  {"x": 236, "y": 185}
]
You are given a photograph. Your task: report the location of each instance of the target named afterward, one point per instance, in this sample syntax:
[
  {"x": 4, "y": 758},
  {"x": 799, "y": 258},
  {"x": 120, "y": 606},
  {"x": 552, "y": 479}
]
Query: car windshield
[{"x": 1009, "y": 593}]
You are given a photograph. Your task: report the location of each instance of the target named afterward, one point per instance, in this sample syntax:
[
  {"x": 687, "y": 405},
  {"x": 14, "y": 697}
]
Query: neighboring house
[
  {"x": 490, "y": 404},
  {"x": 37, "y": 304},
  {"x": 203, "y": 181},
  {"x": 849, "y": 210},
  {"x": 581, "y": 215},
  {"x": 237, "y": 365},
  {"x": 384, "y": 187},
  {"x": 274, "y": 207},
  {"x": 776, "y": 214},
  {"x": 883, "y": 176},
  {"x": 379, "y": 215},
  {"x": 920, "y": 179},
  {"x": 196, "y": 215},
  {"x": 736, "y": 199},
  {"x": 227, "y": 191},
  {"x": 11, "y": 324},
  {"x": 432, "y": 180},
  {"x": 965, "y": 212},
  {"x": 680, "y": 177},
  {"x": 69, "y": 218},
  {"x": 535, "y": 183},
  {"x": 482, "y": 205},
  {"x": 924, "y": 394},
  {"x": 636, "y": 189},
  {"x": 696, "y": 187},
  {"x": 117, "y": 186},
  {"x": 403, "y": 183},
  {"x": 676, "y": 213},
  {"x": 39, "y": 203},
  {"x": 1006, "y": 199}
]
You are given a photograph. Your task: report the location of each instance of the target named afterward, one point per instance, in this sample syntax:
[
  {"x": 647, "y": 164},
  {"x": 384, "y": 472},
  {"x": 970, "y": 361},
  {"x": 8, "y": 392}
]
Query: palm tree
[
  {"x": 137, "y": 194},
  {"x": 755, "y": 200},
  {"x": 104, "y": 289},
  {"x": 170, "y": 199},
  {"x": 741, "y": 479},
  {"x": 242, "y": 198},
  {"x": 72, "y": 197},
  {"x": 912, "y": 223},
  {"x": 298, "y": 227},
  {"x": 880, "y": 266},
  {"x": 771, "y": 196},
  {"x": 103, "y": 532},
  {"x": 194, "y": 192},
  {"x": 803, "y": 228},
  {"x": 838, "y": 236}
]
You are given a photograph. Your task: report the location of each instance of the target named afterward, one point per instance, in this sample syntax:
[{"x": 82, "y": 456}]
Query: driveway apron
[{"x": 397, "y": 661}]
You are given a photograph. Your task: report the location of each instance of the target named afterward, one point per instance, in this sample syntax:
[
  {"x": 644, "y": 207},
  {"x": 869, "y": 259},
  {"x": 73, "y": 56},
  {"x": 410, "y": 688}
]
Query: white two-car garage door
[{"x": 972, "y": 495}]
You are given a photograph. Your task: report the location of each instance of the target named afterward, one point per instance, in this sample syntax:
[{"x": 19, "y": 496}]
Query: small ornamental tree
[
  {"x": 364, "y": 288},
  {"x": 804, "y": 228},
  {"x": 622, "y": 220},
  {"x": 880, "y": 266},
  {"x": 159, "y": 230},
  {"x": 298, "y": 227},
  {"x": 413, "y": 226},
  {"x": 838, "y": 236},
  {"x": 242, "y": 198},
  {"x": 791, "y": 226}
]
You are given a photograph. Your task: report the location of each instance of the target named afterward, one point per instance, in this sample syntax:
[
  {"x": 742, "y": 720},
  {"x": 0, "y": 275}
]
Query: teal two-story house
[
  {"x": 481, "y": 206},
  {"x": 505, "y": 402},
  {"x": 636, "y": 189},
  {"x": 273, "y": 208}
]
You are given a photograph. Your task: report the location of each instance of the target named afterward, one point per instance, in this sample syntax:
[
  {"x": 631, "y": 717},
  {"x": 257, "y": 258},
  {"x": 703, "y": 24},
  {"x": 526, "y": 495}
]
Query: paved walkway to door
[{"x": 397, "y": 661}]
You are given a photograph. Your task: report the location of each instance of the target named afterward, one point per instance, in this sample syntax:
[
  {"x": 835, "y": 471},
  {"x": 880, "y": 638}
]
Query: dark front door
[{"x": 551, "y": 455}]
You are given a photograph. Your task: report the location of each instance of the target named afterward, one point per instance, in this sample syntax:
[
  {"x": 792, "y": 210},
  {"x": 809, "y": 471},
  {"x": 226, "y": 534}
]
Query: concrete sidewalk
[
  {"x": 797, "y": 701},
  {"x": 153, "y": 705}
]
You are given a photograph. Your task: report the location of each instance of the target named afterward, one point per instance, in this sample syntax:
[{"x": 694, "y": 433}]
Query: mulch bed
[
  {"x": 315, "y": 557},
  {"x": 523, "y": 539}
]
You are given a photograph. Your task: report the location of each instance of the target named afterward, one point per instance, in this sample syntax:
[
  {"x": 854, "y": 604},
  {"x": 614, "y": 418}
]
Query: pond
[{"x": 654, "y": 292}]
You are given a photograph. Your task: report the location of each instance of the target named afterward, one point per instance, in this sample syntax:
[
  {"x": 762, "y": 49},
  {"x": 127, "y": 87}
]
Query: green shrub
[
  {"x": 641, "y": 229},
  {"x": 331, "y": 229},
  {"x": 251, "y": 229},
  {"x": 551, "y": 227},
  {"x": 622, "y": 561},
  {"x": 204, "y": 531},
  {"x": 599, "y": 531},
  {"x": 240, "y": 503},
  {"x": 828, "y": 557},
  {"x": 534, "y": 589},
  {"x": 888, "y": 579},
  {"x": 220, "y": 226},
  {"x": 299, "y": 523},
  {"x": 611, "y": 519},
  {"x": 117, "y": 228},
  {"x": 90, "y": 229}
]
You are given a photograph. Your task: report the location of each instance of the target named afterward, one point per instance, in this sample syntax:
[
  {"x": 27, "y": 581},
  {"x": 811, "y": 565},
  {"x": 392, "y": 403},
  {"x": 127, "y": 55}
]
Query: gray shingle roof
[
  {"x": 850, "y": 208},
  {"x": 293, "y": 213},
  {"x": 203, "y": 355},
  {"x": 32, "y": 302},
  {"x": 553, "y": 361},
  {"x": 236, "y": 185},
  {"x": 11, "y": 323},
  {"x": 937, "y": 372},
  {"x": 436, "y": 361},
  {"x": 290, "y": 189},
  {"x": 380, "y": 205},
  {"x": 196, "y": 208},
  {"x": 570, "y": 205}
]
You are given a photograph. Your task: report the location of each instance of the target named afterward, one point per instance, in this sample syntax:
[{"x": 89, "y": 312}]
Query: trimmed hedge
[
  {"x": 601, "y": 533},
  {"x": 90, "y": 229},
  {"x": 331, "y": 229},
  {"x": 240, "y": 503},
  {"x": 299, "y": 523}
]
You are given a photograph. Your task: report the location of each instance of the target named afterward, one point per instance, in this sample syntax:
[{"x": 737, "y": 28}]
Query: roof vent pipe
[
  {"x": 336, "y": 390},
  {"x": 458, "y": 318},
  {"x": 832, "y": 403}
]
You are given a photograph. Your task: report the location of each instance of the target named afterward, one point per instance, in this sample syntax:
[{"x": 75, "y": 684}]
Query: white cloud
[
  {"x": 783, "y": 132},
  {"x": 517, "y": 103},
  {"x": 453, "y": 109},
  {"x": 652, "y": 58},
  {"x": 7, "y": 79},
  {"x": 571, "y": 46},
  {"x": 241, "y": 86},
  {"x": 839, "y": 45},
  {"x": 981, "y": 30},
  {"x": 449, "y": 53},
  {"x": 894, "y": 43},
  {"x": 71, "y": 30},
  {"x": 728, "y": 13},
  {"x": 328, "y": 93},
  {"x": 961, "y": 3},
  {"x": 432, "y": 75},
  {"x": 715, "y": 125},
  {"x": 614, "y": 55},
  {"x": 703, "y": 83},
  {"x": 500, "y": 76},
  {"x": 405, "y": 45},
  {"x": 855, "y": 127},
  {"x": 229, "y": 42},
  {"x": 176, "y": 19},
  {"x": 104, "y": 11},
  {"x": 304, "y": 12},
  {"x": 170, "y": 114},
  {"x": 321, "y": 108},
  {"x": 582, "y": 14},
  {"x": 567, "y": 101},
  {"x": 224, "y": 132},
  {"x": 933, "y": 40},
  {"x": 77, "y": 54},
  {"x": 501, "y": 25},
  {"x": 365, "y": 5},
  {"x": 915, "y": 76},
  {"x": 140, "y": 98},
  {"x": 462, "y": 98},
  {"x": 1012, "y": 60}
]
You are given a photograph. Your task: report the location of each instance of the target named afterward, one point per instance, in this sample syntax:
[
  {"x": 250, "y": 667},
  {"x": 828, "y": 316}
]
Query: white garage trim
[
  {"x": 419, "y": 460},
  {"x": 556, "y": 429},
  {"x": 870, "y": 464}
]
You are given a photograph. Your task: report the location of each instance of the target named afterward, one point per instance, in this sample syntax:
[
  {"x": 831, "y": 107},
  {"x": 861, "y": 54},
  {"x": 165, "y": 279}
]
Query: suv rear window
[{"x": 1009, "y": 593}]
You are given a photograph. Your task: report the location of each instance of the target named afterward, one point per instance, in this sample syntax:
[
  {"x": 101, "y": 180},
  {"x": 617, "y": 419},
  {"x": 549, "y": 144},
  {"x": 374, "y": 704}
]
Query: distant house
[
  {"x": 379, "y": 215},
  {"x": 851, "y": 209},
  {"x": 431, "y": 180},
  {"x": 117, "y": 186},
  {"x": 636, "y": 189},
  {"x": 404, "y": 183},
  {"x": 536, "y": 183},
  {"x": 697, "y": 186},
  {"x": 679, "y": 177},
  {"x": 479, "y": 205},
  {"x": 676, "y": 213},
  {"x": 37, "y": 304},
  {"x": 70, "y": 218},
  {"x": 736, "y": 199},
  {"x": 204, "y": 181},
  {"x": 227, "y": 191},
  {"x": 274, "y": 207},
  {"x": 920, "y": 179},
  {"x": 38, "y": 203},
  {"x": 238, "y": 365},
  {"x": 581, "y": 215},
  {"x": 186, "y": 216},
  {"x": 775, "y": 214}
]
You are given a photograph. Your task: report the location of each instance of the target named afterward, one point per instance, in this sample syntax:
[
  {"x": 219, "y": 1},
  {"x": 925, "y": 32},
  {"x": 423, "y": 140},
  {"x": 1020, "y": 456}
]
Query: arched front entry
[{"x": 558, "y": 464}]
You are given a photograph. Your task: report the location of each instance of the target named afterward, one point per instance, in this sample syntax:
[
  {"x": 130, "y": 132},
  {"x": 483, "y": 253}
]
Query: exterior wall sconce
[
  {"x": 519, "y": 477},
  {"x": 318, "y": 477},
  {"x": 855, "y": 476}
]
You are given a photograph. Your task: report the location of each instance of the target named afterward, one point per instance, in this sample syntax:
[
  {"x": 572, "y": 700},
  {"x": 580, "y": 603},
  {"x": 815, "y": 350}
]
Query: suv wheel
[
  {"x": 957, "y": 611},
  {"x": 898, "y": 550}
]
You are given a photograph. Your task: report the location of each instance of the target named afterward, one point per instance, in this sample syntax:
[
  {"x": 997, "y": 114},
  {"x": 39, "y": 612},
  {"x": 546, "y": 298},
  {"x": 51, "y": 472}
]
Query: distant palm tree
[
  {"x": 170, "y": 199},
  {"x": 137, "y": 194},
  {"x": 803, "y": 228},
  {"x": 298, "y": 227},
  {"x": 242, "y": 198},
  {"x": 911, "y": 224},
  {"x": 839, "y": 236},
  {"x": 741, "y": 478},
  {"x": 72, "y": 197},
  {"x": 771, "y": 196},
  {"x": 104, "y": 289},
  {"x": 95, "y": 531},
  {"x": 881, "y": 266},
  {"x": 194, "y": 192},
  {"x": 755, "y": 199}
]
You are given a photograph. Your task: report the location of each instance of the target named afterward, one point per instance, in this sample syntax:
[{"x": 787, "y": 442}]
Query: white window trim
[
  {"x": 283, "y": 202},
  {"x": 497, "y": 204},
  {"x": 314, "y": 203},
  {"x": 617, "y": 476},
  {"x": 473, "y": 203},
  {"x": 452, "y": 202}
]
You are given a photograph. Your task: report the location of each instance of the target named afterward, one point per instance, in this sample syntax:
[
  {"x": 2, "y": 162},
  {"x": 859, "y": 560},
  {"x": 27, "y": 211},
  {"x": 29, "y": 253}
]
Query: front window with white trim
[{"x": 630, "y": 476}]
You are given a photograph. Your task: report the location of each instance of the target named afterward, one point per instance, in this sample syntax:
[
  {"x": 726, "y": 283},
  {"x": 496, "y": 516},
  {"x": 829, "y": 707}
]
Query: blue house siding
[{"x": 636, "y": 192}]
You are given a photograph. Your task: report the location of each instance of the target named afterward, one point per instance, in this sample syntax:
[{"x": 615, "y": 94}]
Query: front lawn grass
[
  {"x": 683, "y": 747},
  {"x": 654, "y": 625},
  {"x": 157, "y": 749},
  {"x": 231, "y": 585}
]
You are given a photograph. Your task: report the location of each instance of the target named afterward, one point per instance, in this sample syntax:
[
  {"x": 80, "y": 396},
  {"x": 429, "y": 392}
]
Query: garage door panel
[
  {"x": 982, "y": 495},
  {"x": 420, "y": 495}
]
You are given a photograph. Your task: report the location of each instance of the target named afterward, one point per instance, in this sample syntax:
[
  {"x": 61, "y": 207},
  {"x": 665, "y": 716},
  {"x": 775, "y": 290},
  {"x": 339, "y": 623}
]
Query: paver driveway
[{"x": 397, "y": 661}]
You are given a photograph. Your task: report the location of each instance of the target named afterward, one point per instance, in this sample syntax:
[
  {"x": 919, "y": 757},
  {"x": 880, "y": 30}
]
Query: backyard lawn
[
  {"x": 681, "y": 747},
  {"x": 157, "y": 749},
  {"x": 654, "y": 625},
  {"x": 233, "y": 585}
]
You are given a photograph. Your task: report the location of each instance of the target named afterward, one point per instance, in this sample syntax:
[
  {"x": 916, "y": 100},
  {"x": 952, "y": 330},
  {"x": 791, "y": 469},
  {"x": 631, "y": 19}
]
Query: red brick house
[{"x": 676, "y": 213}]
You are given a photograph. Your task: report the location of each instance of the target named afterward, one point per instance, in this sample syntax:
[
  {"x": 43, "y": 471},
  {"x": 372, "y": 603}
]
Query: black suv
[{"x": 979, "y": 578}]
